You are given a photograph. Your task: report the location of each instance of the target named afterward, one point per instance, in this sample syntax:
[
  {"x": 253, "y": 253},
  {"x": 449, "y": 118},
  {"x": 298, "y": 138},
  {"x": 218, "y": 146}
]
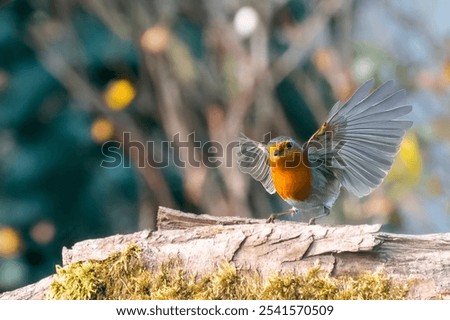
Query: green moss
[
  {"x": 226, "y": 283},
  {"x": 121, "y": 276},
  {"x": 311, "y": 286},
  {"x": 124, "y": 276}
]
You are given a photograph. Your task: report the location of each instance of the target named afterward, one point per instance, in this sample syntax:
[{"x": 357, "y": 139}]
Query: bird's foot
[
  {"x": 326, "y": 212},
  {"x": 274, "y": 216}
]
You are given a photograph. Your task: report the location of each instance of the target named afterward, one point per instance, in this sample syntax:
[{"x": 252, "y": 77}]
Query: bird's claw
[{"x": 274, "y": 216}]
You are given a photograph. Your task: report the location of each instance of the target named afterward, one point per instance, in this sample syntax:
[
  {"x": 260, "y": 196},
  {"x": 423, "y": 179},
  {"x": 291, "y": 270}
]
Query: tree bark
[{"x": 201, "y": 242}]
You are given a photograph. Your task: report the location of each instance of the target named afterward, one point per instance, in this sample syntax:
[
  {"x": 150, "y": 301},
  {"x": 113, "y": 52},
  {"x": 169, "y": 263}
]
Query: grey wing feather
[
  {"x": 368, "y": 131},
  {"x": 253, "y": 159},
  {"x": 360, "y": 94}
]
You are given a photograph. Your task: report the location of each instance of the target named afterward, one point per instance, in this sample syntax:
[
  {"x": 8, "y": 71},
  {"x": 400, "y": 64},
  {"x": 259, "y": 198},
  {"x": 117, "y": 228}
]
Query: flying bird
[{"x": 354, "y": 148}]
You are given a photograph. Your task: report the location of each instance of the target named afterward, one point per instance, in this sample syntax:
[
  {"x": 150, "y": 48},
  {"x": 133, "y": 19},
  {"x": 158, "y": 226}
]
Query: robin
[{"x": 354, "y": 148}]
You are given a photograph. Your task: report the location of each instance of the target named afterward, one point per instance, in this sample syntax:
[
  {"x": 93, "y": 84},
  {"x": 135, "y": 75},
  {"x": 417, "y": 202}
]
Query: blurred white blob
[
  {"x": 245, "y": 21},
  {"x": 363, "y": 68},
  {"x": 12, "y": 273}
]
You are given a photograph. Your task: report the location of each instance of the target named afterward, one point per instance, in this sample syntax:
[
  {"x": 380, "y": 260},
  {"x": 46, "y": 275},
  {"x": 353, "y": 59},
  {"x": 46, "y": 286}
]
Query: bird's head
[{"x": 283, "y": 149}]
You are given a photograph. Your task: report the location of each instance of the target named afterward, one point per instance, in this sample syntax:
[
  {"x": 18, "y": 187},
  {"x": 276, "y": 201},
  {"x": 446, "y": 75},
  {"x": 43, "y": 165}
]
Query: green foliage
[{"x": 124, "y": 276}]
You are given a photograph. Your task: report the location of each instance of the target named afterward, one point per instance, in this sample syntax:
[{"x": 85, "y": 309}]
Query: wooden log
[
  {"x": 201, "y": 242},
  {"x": 34, "y": 291}
]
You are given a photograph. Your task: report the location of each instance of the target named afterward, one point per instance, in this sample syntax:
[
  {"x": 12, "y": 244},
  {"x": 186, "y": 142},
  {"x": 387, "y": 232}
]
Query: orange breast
[{"x": 292, "y": 177}]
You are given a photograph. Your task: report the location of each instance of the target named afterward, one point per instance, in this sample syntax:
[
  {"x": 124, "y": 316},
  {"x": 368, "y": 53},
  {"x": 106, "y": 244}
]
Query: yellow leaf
[
  {"x": 119, "y": 94},
  {"x": 102, "y": 130},
  {"x": 10, "y": 242},
  {"x": 446, "y": 72},
  {"x": 407, "y": 167}
]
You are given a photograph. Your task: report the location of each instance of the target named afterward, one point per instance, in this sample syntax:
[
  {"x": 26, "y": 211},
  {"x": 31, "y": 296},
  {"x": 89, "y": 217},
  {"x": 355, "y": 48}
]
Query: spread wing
[
  {"x": 253, "y": 159},
  {"x": 361, "y": 137}
]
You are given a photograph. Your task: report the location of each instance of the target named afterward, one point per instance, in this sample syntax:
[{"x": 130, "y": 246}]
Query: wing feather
[
  {"x": 368, "y": 130},
  {"x": 253, "y": 159},
  {"x": 359, "y": 95}
]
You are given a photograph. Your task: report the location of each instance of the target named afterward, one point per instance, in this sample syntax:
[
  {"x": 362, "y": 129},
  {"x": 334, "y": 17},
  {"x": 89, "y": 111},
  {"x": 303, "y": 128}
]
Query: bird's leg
[
  {"x": 326, "y": 212},
  {"x": 274, "y": 216}
]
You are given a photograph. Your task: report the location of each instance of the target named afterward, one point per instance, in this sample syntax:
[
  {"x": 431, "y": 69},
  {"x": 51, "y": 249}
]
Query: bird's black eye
[
  {"x": 276, "y": 153},
  {"x": 289, "y": 145}
]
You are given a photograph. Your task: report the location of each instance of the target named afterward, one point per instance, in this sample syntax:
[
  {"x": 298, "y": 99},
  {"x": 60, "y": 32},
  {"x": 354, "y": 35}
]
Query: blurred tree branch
[{"x": 91, "y": 100}]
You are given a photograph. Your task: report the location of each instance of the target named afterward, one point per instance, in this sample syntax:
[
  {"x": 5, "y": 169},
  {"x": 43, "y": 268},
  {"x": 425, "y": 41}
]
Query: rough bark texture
[{"x": 202, "y": 242}]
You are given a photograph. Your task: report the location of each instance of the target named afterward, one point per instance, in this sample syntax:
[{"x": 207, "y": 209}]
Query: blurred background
[{"x": 76, "y": 75}]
